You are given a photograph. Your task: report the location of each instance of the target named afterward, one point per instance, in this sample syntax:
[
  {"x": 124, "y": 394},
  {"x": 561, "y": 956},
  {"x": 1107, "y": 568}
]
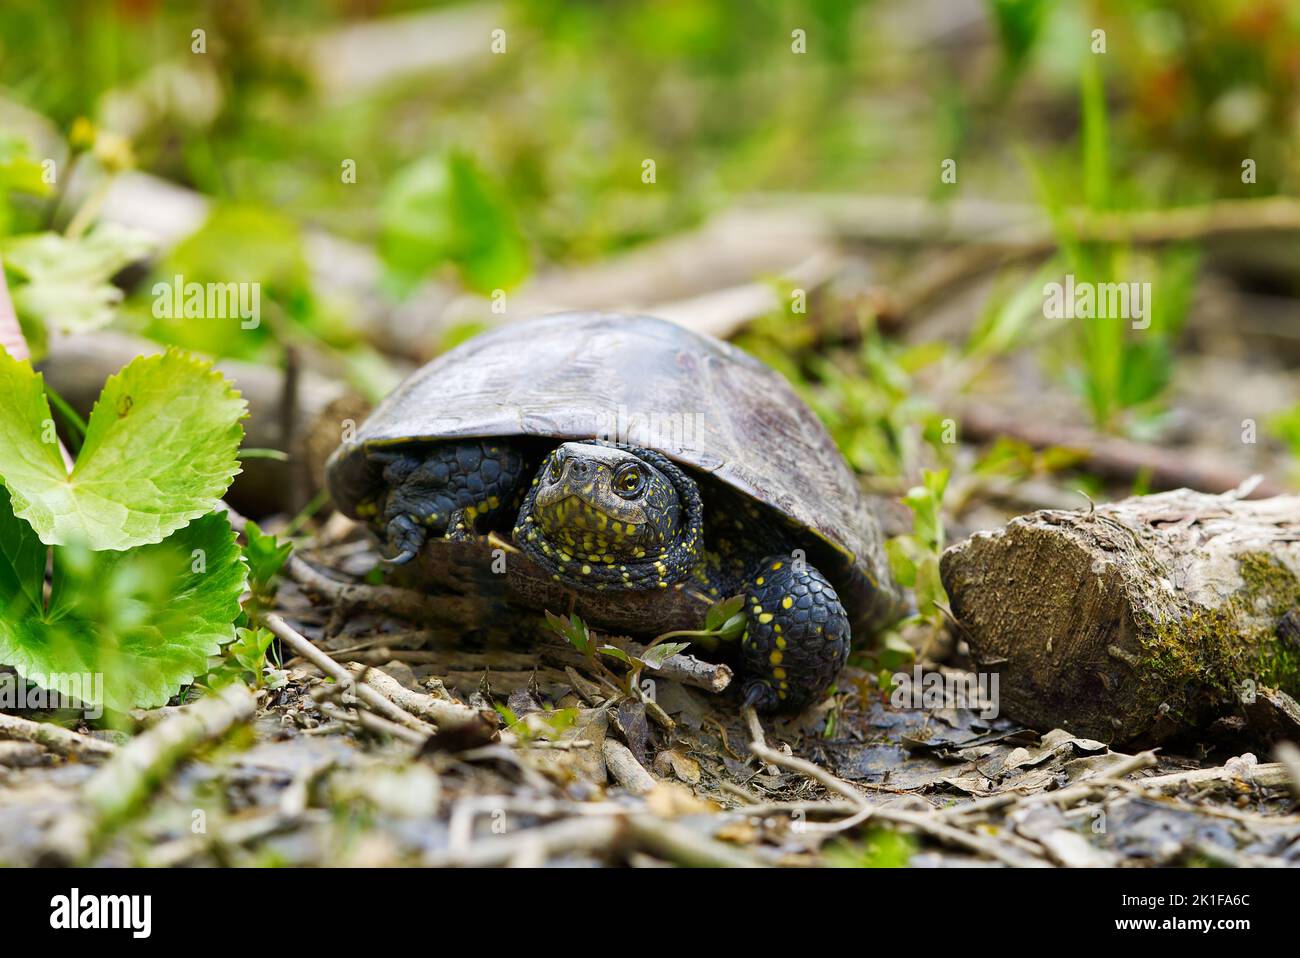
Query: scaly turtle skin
[{"x": 642, "y": 471}]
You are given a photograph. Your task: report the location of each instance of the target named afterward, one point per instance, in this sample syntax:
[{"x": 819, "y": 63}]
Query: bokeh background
[{"x": 390, "y": 172}]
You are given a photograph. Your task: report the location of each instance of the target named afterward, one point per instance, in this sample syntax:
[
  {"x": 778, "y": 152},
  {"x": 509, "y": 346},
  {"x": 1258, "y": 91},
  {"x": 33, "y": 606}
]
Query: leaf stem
[{"x": 70, "y": 416}]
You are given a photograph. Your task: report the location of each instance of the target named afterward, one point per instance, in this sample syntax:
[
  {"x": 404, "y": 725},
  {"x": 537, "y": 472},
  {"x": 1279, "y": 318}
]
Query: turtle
[{"x": 641, "y": 473}]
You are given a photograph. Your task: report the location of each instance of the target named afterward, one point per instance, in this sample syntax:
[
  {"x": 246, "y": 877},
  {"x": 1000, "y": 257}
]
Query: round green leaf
[
  {"x": 159, "y": 451},
  {"x": 141, "y": 623}
]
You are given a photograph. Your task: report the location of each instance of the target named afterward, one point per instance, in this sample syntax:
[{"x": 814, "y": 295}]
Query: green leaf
[
  {"x": 249, "y": 649},
  {"x": 926, "y": 503},
  {"x": 266, "y": 557},
  {"x": 881, "y": 848},
  {"x": 22, "y": 565},
  {"x": 733, "y": 628},
  {"x": 159, "y": 451},
  {"x": 1285, "y": 426},
  {"x": 19, "y": 171},
  {"x": 145, "y": 620},
  {"x": 720, "y": 612},
  {"x": 573, "y": 630},
  {"x": 614, "y": 652},
  {"x": 895, "y": 653},
  {"x": 1095, "y": 136},
  {"x": 444, "y": 209},
  {"x": 656, "y": 657},
  {"x": 68, "y": 279},
  {"x": 1019, "y": 24},
  {"x": 243, "y": 244}
]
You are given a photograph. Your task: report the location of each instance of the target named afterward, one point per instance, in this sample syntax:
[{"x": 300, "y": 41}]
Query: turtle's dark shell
[{"x": 644, "y": 381}]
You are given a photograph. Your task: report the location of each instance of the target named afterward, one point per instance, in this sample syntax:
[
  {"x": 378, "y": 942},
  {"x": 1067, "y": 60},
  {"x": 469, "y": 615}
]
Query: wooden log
[
  {"x": 1113, "y": 457},
  {"x": 1134, "y": 621}
]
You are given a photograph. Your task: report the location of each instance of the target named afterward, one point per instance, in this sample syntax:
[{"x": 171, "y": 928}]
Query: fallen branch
[
  {"x": 1268, "y": 775},
  {"x": 1111, "y": 457},
  {"x": 627, "y": 771},
  {"x": 582, "y": 834},
  {"x": 1063, "y": 797},
  {"x": 468, "y": 724},
  {"x": 145, "y": 761},
  {"x": 680, "y": 845},
  {"x": 57, "y": 739},
  {"x": 1134, "y": 620},
  {"x": 405, "y": 603},
  {"x": 1289, "y": 756},
  {"x": 372, "y": 723},
  {"x": 368, "y": 695},
  {"x": 929, "y": 823},
  {"x": 682, "y": 667},
  {"x": 1024, "y": 228},
  {"x": 595, "y": 834}
]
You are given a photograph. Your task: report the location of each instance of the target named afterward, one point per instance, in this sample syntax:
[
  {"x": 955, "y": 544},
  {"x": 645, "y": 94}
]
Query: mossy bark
[{"x": 1137, "y": 620}]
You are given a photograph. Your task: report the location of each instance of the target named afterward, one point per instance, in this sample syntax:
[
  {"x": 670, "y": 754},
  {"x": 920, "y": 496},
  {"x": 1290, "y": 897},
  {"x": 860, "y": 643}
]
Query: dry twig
[{"x": 57, "y": 739}]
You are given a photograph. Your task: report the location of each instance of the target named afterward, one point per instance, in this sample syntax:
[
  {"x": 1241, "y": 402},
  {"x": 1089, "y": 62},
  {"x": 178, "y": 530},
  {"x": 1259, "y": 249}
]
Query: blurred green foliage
[
  {"x": 442, "y": 209},
  {"x": 878, "y": 848},
  {"x": 503, "y": 165}
]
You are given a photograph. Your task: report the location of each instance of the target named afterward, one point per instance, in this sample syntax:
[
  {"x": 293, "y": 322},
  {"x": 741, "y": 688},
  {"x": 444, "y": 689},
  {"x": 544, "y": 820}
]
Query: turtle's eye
[
  {"x": 629, "y": 480},
  {"x": 557, "y": 466}
]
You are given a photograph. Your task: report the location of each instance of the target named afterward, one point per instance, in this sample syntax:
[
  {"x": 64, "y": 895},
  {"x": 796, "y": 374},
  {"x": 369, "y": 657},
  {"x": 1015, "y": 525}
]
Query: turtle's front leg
[
  {"x": 797, "y": 637},
  {"x": 444, "y": 489}
]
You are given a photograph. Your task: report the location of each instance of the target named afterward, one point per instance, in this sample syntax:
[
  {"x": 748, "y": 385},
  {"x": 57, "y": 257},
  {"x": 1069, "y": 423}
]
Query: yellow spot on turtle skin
[
  {"x": 586, "y": 570},
  {"x": 778, "y": 673},
  {"x": 775, "y": 658},
  {"x": 765, "y": 618},
  {"x": 777, "y": 565},
  {"x": 493, "y": 502},
  {"x": 777, "y": 627},
  {"x": 758, "y": 609},
  {"x": 787, "y": 602},
  {"x": 780, "y": 642},
  {"x": 785, "y": 685},
  {"x": 758, "y": 581},
  {"x": 780, "y": 695}
]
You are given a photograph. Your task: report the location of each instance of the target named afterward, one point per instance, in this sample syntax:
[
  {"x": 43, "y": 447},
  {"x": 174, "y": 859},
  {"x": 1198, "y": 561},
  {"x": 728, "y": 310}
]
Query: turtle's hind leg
[
  {"x": 444, "y": 489},
  {"x": 797, "y": 637}
]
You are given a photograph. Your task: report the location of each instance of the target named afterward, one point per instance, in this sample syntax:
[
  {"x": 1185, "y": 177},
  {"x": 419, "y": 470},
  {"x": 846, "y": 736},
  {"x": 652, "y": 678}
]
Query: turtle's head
[
  {"x": 598, "y": 501},
  {"x": 603, "y": 513}
]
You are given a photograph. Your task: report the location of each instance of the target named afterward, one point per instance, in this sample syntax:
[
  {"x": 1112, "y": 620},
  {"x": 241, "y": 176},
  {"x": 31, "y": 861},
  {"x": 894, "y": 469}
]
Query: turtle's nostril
[{"x": 579, "y": 468}]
